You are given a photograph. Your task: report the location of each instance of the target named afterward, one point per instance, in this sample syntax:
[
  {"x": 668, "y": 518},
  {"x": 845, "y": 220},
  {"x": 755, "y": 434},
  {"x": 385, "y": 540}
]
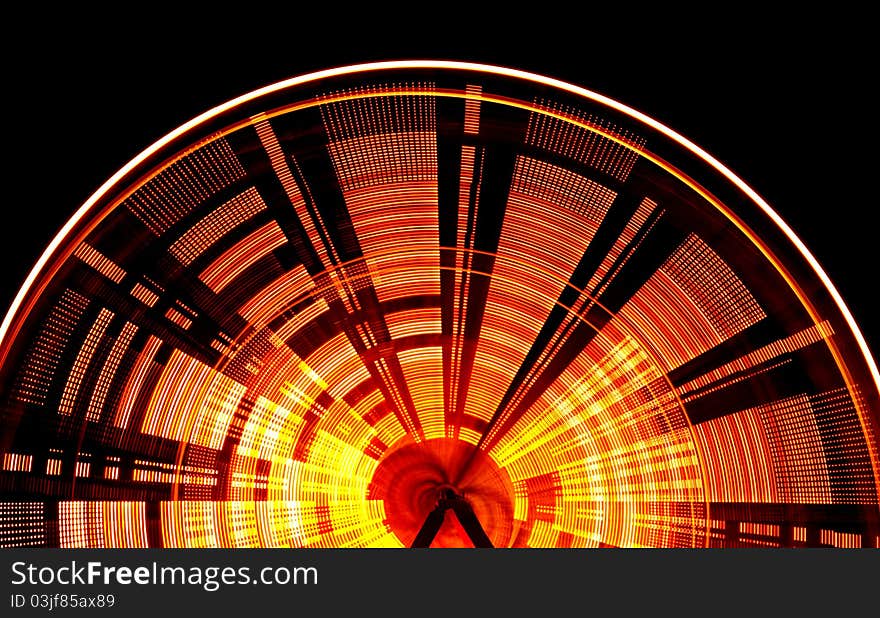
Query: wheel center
[{"x": 413, "y": 479}]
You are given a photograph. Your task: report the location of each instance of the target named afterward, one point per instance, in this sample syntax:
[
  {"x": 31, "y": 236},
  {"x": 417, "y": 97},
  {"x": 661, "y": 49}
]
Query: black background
[{"x": 784, "y": 102}]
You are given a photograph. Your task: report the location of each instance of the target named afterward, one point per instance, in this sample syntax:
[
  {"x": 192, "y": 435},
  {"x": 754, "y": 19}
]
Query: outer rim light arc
[{"x": 456, "y": 65}]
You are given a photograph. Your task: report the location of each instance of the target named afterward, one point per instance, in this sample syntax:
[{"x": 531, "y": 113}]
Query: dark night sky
[{"x": 785, "y": 105}]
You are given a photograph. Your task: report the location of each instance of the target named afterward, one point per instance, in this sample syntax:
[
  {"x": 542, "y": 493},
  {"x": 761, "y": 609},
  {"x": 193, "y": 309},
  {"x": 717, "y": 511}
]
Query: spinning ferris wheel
[{"x": 432, "y": 303}]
